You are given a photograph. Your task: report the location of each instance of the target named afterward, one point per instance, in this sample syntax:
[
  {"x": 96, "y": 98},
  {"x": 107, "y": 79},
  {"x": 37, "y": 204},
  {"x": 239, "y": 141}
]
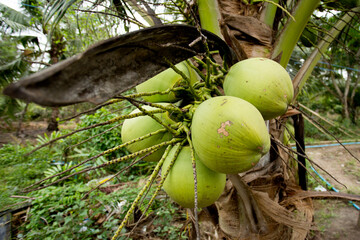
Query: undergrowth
[{"x": 61, "y": 211}]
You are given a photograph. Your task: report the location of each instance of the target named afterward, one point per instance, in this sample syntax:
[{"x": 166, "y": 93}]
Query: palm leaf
[
  {"x": 313, "y": 59},
  {"x": 10, "y": 18},
  {"x": 57, "y": 9},
  {"x": 12, "y": 70}
]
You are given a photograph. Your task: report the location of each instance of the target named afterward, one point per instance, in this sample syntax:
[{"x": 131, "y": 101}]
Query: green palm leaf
[{"x": 12, "y": 19}]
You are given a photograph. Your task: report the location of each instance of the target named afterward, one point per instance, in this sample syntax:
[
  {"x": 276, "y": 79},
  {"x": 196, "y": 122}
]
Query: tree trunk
[
  {"x": 53, "y": 124},
  {"x": 56, "y": 50}
]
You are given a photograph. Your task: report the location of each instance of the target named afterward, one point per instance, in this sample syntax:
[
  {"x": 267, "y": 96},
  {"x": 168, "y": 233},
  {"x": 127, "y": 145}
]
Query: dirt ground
[
  {"x": 29, "y": 131},
  {"x": 337, "y": 219},
  {"x": 334, "y": 219}
]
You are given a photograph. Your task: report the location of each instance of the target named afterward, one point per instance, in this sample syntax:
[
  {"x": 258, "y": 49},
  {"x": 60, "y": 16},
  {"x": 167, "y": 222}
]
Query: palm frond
[
  {"x": 12, "y": 71},
  {"x": 57, "y": 9},
  {"x": 12, "y": 19}
]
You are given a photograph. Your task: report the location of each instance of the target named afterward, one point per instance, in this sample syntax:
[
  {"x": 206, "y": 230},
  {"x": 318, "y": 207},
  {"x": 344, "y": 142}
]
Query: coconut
[
  {"x": 140, "y": 126},
  {"x": 165, "y": 80},
  {"x": 229, "y": 134},
  {"x": 179, "y": 184},
  {"x": 262, "y": 82}
]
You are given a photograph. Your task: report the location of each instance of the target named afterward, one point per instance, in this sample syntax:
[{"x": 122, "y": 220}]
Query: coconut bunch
[
  {"x": 197, "y": 134},
  {"x": 198, "y": 120}
]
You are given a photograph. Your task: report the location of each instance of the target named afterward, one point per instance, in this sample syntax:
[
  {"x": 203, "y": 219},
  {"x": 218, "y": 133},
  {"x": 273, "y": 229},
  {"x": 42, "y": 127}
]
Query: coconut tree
[
  {"x": 263, "y": 198},
  {"x": 17, "y": 53}
]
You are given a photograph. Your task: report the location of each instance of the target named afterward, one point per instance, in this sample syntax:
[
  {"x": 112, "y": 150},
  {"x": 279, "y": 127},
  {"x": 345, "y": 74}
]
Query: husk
[
  {"x": 179, "y": 184},
  {"x": 262, "y": 82},
  {"x": 229, "y": 134},
  {"x": 165, "y": 80},
  {"x": 140, "y": 126}
]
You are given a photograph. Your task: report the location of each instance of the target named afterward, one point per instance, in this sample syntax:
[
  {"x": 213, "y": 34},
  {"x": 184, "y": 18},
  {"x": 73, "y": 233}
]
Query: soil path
[{"x": 337, "y": 219}]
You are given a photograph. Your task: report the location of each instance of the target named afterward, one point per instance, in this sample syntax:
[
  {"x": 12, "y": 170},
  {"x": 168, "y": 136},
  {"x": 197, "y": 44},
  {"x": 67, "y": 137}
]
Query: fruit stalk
[
  {"x": 193, "y": 162},
  {"x": 141, "y": 193}
]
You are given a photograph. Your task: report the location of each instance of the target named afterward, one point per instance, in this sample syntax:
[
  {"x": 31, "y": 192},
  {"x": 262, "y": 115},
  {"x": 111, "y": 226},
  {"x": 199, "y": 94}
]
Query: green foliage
[
  {"x": 60, "y": 213},
  {"x": 9, "y": 107},
  {"x": 166, "y": 214},
  {"x": 18, "y": 171},
  {"x": 12, "y": 19}
]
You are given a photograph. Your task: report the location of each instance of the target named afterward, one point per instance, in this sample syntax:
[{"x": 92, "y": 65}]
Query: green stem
[
  {"x": 210, "y": 16},
  {"x": 113, "y": 120},
  {"x": 165, "y": 173},
  {"x": 148, "y": 113},
  {"x": 193, "y": 162},
  {"x": 141, "y": 152},
  {"x": 269, "y": 12},
  {"x": 137, "y": 95},
  {"x": 102, "y": 154},
  {"x": 168, "y": 108},
  {"x": 290, "y": 35},
  {"x": 192, "y": 90},
  {"x": 143, "y": 190}
]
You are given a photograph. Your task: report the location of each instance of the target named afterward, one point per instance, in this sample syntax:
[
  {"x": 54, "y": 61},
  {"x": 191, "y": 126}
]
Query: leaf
[
  {"x": 13, "y": 19},
  {"x": 60, "y": 8},
  {"x": 115, "y": 65}
]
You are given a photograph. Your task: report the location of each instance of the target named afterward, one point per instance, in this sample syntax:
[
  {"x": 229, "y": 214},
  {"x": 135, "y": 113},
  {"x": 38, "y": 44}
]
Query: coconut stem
[
  {"x": 141, "y": 193},
  {"x": 136, "y": 95},
  {"x": 101, "y": 154},
  {"x": 125, "y": 158},
  {"x": 161, "y": 183},
  {"x": 143, "y": 151},
  {"x": 148, "y": 113},
  {"x": 113, "y": 120},
  {"x": 192, "y": 90},
  {"x": 195, "y": 183},
  {"x": 195, "y": 68}
]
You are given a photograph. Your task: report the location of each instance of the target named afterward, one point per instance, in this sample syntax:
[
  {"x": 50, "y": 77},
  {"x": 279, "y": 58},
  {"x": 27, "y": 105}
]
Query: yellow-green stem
[
  {"x": 209, "y": 16},
  {"x": 185, "y": 78},
  {"x": 148, "y": 113},
  {"x": 143, "y": 190},
  {"x": 165, "y": 173},
  {"x": 289, "y": 36},
  {"x": 141, "y": 152},
  {"x": 193, "y": 162}
]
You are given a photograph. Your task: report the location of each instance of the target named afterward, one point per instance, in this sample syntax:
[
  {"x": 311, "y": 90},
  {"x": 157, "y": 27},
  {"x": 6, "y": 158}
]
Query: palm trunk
[{"x": 57, "y": 47}]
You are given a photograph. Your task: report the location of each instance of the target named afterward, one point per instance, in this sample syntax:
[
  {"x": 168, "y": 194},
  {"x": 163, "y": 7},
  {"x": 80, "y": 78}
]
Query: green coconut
[
  {"x": 262, "y": 82},
  {"x": 179, "y": 184},
  {"x": 165, "y": 80},
  {"x": 140, "y": 126},
  {"x": 229, "y": 134}
]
